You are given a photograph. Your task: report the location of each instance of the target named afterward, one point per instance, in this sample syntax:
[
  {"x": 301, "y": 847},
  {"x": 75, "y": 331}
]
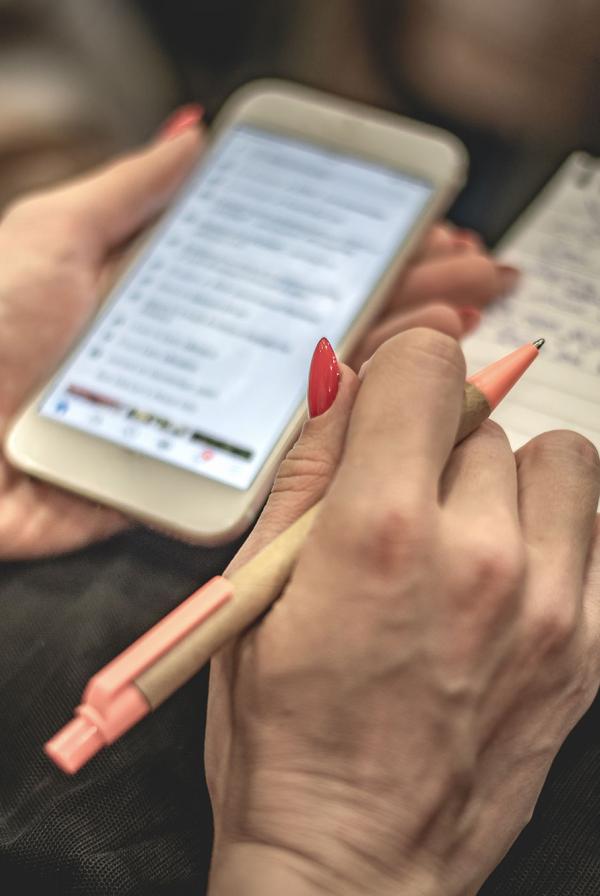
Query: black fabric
[{"x": 136, "y": 820}]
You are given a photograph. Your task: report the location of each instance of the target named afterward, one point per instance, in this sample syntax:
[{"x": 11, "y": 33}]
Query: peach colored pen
[{"x": 170, "y": 653}]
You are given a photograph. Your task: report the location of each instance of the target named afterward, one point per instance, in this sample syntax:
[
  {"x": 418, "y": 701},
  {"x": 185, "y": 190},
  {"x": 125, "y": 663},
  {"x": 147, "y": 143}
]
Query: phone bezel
[{"x": 179, "y": 500}]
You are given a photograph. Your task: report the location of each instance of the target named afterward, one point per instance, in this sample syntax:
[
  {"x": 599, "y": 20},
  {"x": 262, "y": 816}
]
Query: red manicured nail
[
  {"x": 470, "y": 317},
  {"x": 183, "y": 118},
  {"x": 323, "y": 378}
]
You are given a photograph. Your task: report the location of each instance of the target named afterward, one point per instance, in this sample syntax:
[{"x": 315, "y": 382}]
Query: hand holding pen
[
  {"x": 435, "y": 624},
  {"x": 389, "y": 724},
  {"x": 168, "y": 655}
]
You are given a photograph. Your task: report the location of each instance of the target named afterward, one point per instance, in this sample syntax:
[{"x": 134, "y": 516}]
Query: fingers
[
  {"x": 438, "y": 240},
  {"x": 306, "y": 472},
  {"x": 466, "y": 239},
  {"x": 39, "y": 520},
  {"x": 97, "y": 213},
  {"x": 406, "y": 416},
  {"x": 480, "y": 481},
  {"x": 443, "y": 238},
  {"x": 464, "y": 279},
  {"x": 120, "y": 199},
  {"x": 559, "y": 486},
  {"x": 435, "y": 316}
]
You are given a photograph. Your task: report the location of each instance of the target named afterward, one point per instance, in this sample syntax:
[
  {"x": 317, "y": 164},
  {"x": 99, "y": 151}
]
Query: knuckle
[
  {"x": 498, "y": 566},
  {"x": 492, "y": 430},
  {"x": 304, "y": 469},
  {"x": 489, "y": 436},
  {"x": 438, "y": 347},
  {"x": 561, "y": 445},
  {"x": 393, "y": 537},
  {"x": 550, "y": 627},
  {"x": 424, "y": 345}
]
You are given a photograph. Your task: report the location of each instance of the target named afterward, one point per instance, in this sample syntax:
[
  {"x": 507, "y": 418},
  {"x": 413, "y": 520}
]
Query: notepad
[{"x": 556, "y": 243}]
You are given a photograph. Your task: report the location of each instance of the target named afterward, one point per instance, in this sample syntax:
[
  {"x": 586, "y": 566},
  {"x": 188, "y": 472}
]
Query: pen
[{"x": 169, "y": 654}]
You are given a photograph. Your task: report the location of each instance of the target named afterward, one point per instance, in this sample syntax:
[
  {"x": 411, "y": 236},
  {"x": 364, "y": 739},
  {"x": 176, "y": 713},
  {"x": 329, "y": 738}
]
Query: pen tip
[{"x": 538, "y": 343}]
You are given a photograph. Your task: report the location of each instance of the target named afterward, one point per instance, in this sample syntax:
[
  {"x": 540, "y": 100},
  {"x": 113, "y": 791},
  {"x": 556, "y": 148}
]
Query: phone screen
[{"x": 200, "y": 356}]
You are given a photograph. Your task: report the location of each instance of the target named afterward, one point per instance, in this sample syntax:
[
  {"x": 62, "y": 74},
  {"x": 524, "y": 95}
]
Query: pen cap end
[{"x": 74, "y": 745}]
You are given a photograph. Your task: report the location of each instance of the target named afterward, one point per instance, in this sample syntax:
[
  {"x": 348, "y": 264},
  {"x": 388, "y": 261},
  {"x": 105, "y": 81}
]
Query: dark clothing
[{"x": 136, "y": 820}]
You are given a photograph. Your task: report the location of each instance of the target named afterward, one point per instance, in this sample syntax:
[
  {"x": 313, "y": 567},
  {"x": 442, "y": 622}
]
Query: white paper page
[{"x": 556, "y": 244}]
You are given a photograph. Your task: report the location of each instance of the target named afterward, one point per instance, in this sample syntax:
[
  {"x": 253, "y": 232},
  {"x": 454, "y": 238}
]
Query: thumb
[
  {"x": 302, "y": 480},
  {"x": 305, "y": 474},
  {"x": 116, "y": 201}
]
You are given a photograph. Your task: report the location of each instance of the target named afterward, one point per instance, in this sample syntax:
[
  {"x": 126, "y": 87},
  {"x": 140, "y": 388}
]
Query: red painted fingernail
[
  {"x": 183, "y": 118},
  {"x": 323, "y": 378},
  {"x": 509, "y": 277},
  {"x": 470, "y": 317}
]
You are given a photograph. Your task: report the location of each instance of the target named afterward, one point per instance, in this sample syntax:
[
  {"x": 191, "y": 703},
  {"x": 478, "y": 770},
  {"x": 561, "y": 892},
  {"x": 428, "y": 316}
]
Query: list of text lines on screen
[{"x": 201, "y": 358}]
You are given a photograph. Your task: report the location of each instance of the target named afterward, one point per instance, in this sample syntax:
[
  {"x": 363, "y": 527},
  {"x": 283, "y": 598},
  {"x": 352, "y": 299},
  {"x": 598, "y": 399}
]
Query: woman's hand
[
  {"x": 58, "y": 250},
  {"x": 452, "y": 272},
  {"x": 388, "y": 725}
]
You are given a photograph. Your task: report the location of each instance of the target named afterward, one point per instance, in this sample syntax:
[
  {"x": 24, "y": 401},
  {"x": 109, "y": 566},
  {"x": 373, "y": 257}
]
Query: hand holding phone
[
  {"x": 180, "y": 401},
  {"x": 56, "y": 247}
]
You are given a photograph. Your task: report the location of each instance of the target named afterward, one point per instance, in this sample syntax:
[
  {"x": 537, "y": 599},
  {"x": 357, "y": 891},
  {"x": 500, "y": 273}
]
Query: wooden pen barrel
[{"x": 256, "y": 585}]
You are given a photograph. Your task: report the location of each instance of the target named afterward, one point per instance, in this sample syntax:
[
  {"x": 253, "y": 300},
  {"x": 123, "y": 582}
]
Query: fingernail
[
  {"x": 323, "y": 379},
  {"x": 183, "y": 118},
  {"x": 509, "y": 277},
  {"x": 470, "y": 317},
  {"x": 464, "y": 239},
  {"x": 461, "y": 245}
]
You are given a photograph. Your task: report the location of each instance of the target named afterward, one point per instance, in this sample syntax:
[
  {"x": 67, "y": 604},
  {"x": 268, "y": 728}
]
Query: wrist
[
  {"x": 254, "y": 869},
  {"x": 260, "y": 869}
]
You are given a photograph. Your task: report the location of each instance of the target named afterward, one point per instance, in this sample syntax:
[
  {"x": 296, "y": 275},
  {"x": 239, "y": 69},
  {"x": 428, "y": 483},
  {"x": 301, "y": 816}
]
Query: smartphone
[{"x": 181, "y": 399}]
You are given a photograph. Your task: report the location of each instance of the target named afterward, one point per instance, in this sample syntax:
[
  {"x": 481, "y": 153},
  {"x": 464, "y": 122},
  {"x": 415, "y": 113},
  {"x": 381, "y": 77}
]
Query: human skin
[
  {"x": 59, "y": 250},
  {"x": 387, "y": 727}
]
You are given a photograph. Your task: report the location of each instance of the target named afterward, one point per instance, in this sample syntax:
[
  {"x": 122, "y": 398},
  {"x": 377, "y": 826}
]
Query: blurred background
[{"x": 518, "y": 81}]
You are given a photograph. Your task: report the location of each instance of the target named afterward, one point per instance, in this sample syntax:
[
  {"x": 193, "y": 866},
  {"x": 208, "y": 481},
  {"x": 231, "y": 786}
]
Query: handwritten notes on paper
[{"x": 556, "y": 244}]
